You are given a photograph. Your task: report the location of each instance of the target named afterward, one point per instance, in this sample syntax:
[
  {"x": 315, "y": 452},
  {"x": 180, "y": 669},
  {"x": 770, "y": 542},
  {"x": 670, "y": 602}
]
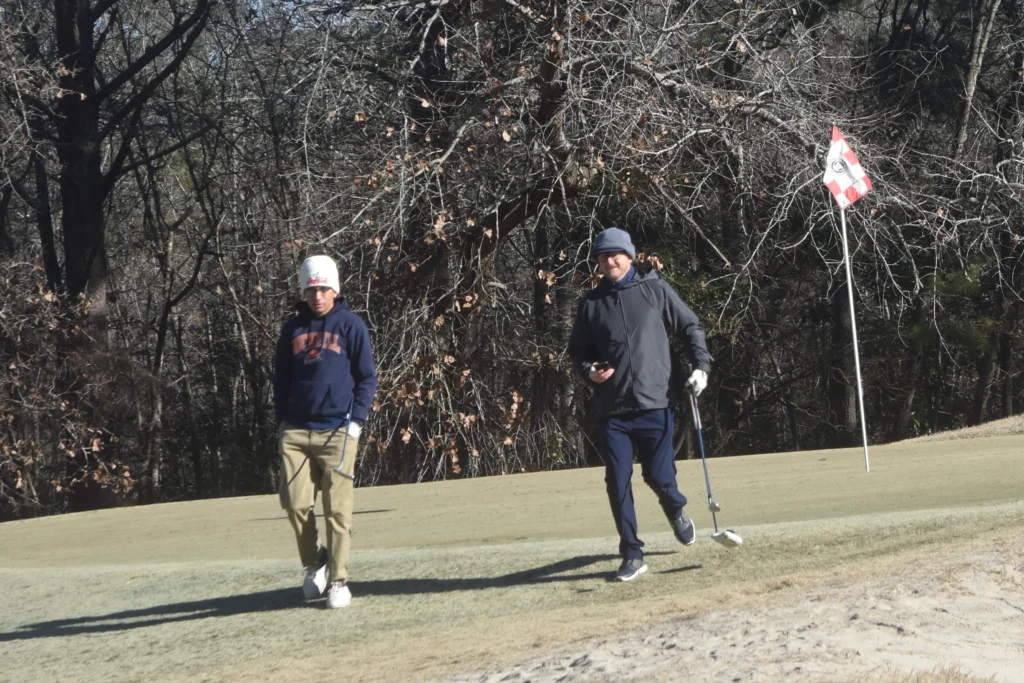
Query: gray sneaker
[
  {"x": 630, "y": 569},
  {"x": 683, "y": 527}
]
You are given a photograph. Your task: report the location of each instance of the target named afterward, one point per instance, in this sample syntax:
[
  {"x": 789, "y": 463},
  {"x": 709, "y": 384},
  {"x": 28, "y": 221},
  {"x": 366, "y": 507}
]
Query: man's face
[
  {"x": 614, "y": 264},
  {"x": 319, "y": 299}
]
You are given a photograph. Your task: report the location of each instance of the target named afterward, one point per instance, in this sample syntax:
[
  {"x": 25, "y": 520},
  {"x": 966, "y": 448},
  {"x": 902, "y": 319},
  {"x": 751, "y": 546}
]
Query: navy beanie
[{"x": 613, "y": 239}]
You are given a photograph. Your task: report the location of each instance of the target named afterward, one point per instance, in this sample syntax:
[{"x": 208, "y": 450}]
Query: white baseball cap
[{"x": 319, "y": 271}]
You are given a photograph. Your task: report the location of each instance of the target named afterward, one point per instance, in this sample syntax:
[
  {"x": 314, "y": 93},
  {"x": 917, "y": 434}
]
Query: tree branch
[
  {"x": 110, "y": 178},
  {"x": 693, "y": 224},
  {"x": 140, "y": 97},
  {"x": 122, "y": 153},
  {"x": 198, "y": 15},
  {"x": 100, "y": 8}
]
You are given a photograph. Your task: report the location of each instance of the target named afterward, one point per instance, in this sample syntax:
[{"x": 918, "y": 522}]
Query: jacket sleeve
[
  {"x": 282, "y": 374},
  {"x": 580, "y": 349},
  {"x": 683, "y": 323},
  {"x": 363, "y": 372}
]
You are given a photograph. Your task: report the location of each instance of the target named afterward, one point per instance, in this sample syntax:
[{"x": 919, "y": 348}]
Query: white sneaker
[
  {"x": 315, "y": 580},
  {"x": 338, "y": 595}
]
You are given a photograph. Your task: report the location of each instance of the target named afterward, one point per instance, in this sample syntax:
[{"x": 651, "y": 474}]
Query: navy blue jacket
[{"x": 323, "y": 366}]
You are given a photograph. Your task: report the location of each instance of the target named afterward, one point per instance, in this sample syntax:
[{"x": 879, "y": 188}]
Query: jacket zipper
[{"x": 629, "y": 347}]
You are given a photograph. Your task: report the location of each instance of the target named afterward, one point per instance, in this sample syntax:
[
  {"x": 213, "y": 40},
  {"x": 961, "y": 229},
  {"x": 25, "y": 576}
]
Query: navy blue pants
[{"x": 650, "y": 431}]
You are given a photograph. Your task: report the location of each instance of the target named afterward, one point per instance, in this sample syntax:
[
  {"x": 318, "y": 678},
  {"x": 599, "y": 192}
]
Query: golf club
[{"x": 727, "y": 537}]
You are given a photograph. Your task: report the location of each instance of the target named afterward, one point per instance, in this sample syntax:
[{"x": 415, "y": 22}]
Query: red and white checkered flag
[{"x": 844, "y": 175}]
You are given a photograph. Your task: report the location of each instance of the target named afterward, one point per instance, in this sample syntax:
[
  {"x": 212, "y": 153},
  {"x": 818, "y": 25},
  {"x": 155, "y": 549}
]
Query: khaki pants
[{"x": 308, "y": 459}]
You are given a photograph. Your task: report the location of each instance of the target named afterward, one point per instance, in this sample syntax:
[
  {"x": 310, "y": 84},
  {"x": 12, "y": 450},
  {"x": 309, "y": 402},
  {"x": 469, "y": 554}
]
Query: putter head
[
  {"x": 728, "y": 538},
  {"x": 713, "y": 506}
]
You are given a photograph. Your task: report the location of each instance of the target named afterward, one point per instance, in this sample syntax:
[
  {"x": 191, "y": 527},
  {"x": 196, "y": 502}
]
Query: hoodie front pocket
[
  {"x": 329, "y": 405},
  {"x": 305, "y": 398}
]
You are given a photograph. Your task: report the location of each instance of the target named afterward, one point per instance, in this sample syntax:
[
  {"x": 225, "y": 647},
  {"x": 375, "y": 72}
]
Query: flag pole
[{"x": 856, "y": 351}]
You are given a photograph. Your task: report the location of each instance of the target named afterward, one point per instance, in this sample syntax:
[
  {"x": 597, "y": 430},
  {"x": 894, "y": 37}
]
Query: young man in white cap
[
  {"x": 324, "y": 382},
  {"x": 620, "y": 343}
]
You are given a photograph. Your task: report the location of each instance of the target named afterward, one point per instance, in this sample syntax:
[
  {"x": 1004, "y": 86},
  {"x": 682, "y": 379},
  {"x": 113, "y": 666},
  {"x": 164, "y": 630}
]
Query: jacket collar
[
  {"x": 303, "y": 310},
  {"x": 631, "y": 277}
]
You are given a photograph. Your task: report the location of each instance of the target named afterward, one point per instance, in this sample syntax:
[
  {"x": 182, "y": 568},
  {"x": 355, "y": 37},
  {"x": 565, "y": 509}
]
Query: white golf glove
[
  {"x": 698, "y": 382},
  {"x": 354, "y": 429}
]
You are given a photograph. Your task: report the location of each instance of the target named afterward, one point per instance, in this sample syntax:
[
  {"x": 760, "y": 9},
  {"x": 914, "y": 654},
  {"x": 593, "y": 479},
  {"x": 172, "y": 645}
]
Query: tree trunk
[
  {"x": 6, "y": 243},
  {"x": 842, "y": 389},
  {"x": 986, "y": 368},
  {"x": 901, "y": 430},
  {"x": 979, "y": 45},
  {"x": 188, "y": 413},
  {"x": 153, "y": 451},
  {"x": 789, "y": 405},
  {"x": 1006, "y": 368},
  {"x": 44, "y": 220},
  {"x": 81, "y": 177}
]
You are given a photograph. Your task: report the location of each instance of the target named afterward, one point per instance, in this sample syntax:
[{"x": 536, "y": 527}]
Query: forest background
[{"x": 165, "y": 165}]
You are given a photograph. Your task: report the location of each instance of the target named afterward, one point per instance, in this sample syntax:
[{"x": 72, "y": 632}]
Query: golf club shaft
[{"x": 703, "y": 459}]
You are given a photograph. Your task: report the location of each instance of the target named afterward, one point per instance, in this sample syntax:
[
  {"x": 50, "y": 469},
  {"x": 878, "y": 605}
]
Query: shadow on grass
[{"x": 288, "y": 598}]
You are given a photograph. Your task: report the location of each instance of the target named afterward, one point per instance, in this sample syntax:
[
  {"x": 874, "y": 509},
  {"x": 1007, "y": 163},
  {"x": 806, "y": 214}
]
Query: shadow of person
[
  {"x": 263, "y": 601},
  {"x": 550, "y": 573},
  {"x": 288, "y": 598}
]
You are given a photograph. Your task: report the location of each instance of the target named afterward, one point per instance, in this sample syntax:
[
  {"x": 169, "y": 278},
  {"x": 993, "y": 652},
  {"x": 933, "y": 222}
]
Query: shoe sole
[{"x": 632, "y": 576}]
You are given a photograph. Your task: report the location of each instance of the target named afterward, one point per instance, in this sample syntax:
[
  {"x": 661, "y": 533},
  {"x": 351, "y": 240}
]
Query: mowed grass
[{"x": 458, "y": 576}]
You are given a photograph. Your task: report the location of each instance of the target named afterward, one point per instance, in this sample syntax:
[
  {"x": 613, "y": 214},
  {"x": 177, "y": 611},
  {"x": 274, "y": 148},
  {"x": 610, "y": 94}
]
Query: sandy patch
[{"x": 942, "y": 613}]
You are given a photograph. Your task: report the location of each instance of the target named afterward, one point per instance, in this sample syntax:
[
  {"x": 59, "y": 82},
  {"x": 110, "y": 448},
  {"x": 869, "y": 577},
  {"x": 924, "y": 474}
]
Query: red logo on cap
[{"x": 316, "y": 279}]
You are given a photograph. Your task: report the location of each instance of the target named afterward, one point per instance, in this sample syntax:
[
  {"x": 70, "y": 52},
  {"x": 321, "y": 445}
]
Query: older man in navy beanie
[{"x": 620, "y": 344}]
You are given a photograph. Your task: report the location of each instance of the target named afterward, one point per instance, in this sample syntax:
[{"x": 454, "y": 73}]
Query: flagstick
[{"x": 856, "y": 352}]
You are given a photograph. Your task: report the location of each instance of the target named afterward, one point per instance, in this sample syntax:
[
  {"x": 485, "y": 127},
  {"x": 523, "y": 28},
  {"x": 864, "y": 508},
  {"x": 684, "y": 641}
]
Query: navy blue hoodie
[{"x": 322, "y": 367}]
